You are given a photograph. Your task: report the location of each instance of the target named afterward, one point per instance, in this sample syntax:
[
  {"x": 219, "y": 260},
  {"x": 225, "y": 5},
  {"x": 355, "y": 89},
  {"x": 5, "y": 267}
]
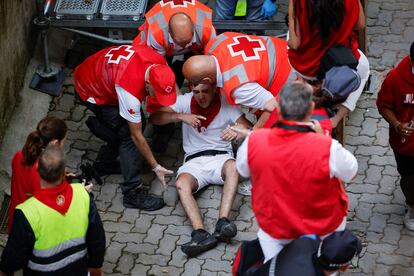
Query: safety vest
[
  {"x": 157, "y": 19},
  {"x": 123, "y": 65},
  {"x": 59, "y": 239},
  {"x": 246, "y": 58},
  {"x": 292, "y": 191}
]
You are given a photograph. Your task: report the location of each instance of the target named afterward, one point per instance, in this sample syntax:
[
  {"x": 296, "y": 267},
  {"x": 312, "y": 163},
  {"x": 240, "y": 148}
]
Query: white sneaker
[
  {"x": 409, "y": 218},
  {"x": 245, "y": 188}
]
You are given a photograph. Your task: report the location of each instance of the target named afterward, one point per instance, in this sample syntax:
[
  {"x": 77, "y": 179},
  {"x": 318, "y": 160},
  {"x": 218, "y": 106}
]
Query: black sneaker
[
  {"x": 225, "y": 230},
  {"x": 201, "y": 241},
  {"x": 138, "y": 199}
]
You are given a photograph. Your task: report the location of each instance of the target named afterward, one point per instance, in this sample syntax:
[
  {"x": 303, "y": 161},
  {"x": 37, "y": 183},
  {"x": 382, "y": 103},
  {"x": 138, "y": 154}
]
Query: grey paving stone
[
  {"x": 377, "y": 223},
  {"x": 113, "y": 252},
  {"x": 155, "y": 233},
  {"x": 147, "y": 259},
  {"x": 364, "y": 211},
  {"x": 373, "y": 174},
  {"x": 117, "y": 227},
  {"x": 166, "y": 270},
  {"x": 368, "y": 262},
  {"x": 137, "y": 248},
  {"x": 128, "y": 237},
  {"x": 392, "y": 260},
  {"x": 125, "y": 264},
  {"x": 167, "y": 245},
  {"x": 193, "y": 267},
  {"x": 376, "y": 198},
  {"x": 108, "y": 268},
  {"x": 140, "y": 269},
  {"x": 217, "y": 266}
]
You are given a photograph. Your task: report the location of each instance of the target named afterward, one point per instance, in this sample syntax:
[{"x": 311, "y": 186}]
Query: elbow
[{"x": 360, "y": 25}]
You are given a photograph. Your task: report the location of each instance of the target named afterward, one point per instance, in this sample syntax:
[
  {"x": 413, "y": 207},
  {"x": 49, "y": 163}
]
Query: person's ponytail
[
  {"x": 48, "y": 129},
  {"x": 32, "y": 148}
]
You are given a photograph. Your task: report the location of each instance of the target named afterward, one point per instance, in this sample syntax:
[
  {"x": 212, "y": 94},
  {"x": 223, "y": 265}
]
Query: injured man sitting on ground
[{"x": 208, "y": 158}]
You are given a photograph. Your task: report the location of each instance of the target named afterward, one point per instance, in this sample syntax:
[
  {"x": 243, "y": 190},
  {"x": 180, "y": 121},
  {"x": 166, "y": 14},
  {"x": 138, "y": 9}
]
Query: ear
[
  {"x": 207, "y": 80},
  {"x": 312, "y": 107},
  {"x": 54, "y": 142}
]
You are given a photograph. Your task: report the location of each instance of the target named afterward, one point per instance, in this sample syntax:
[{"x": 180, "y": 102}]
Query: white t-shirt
[
  {"x": 129, "y": 106},
  {"x": 208, "y": 139},
  {"x": 342, "y": 163}
]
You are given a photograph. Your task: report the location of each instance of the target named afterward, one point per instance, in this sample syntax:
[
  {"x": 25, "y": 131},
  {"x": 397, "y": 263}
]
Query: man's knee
[
  {"x": 184, "y": 184},
  {"x": 229, "y": 168}
]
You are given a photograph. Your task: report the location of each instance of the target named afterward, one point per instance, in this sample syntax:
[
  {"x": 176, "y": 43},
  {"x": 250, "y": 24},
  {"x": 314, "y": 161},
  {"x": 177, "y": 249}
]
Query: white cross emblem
[
  {"x": 122, "y": 52},
  {"x": 247, "y": 47},
  {"x": 176, "y": 3}
]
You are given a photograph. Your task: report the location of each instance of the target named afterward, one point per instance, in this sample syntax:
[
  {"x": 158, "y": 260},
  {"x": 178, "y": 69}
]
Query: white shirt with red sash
[{"x": 208, "y": 138}]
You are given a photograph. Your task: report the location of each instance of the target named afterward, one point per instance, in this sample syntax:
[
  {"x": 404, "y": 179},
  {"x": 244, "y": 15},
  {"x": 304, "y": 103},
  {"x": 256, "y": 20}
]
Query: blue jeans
[{"x": 224, "y": 10}]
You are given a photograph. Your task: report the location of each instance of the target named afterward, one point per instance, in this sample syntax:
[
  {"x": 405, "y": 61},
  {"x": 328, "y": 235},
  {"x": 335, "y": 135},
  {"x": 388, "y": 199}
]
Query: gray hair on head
[
  {"x": 295, "y": 101},
  {"x": 51, "y": 166}
]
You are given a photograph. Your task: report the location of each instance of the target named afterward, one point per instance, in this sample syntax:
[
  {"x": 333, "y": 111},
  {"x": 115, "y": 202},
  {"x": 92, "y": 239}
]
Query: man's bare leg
[
  {"x": 186, "y": 184},
  {"x": 225, "y": 230},
  {"x": 231, "y": 178},
  {"x": 201, "y": 240}
]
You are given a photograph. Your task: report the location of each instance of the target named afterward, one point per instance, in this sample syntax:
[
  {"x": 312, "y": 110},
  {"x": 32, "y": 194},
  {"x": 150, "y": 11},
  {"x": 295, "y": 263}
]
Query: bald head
[
  {"x": 200, "y": 67},
  {"x": 181, "y": 29}
]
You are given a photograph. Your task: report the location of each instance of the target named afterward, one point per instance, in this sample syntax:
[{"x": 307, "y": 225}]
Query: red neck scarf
[
  {"x": 58, "y": 198},
  {"x": 209, "y": 112}
]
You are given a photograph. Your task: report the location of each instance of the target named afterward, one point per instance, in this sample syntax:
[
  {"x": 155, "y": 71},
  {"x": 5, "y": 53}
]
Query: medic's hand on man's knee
[{"x": 160, "y": 171}]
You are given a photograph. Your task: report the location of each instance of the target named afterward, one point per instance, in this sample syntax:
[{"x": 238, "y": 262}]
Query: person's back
[
  {"x": 315, "y": 40},
  {"x": 302, "y": 189}
]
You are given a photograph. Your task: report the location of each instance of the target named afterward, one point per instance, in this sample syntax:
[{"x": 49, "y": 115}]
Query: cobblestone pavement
[{"x": 147, "y": 243}]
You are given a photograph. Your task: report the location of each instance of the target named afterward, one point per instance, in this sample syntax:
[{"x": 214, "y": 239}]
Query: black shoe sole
[
  {"x": 126, "y": 205},
  {"x": 226, "y": 234},
  {"x": 194, "y": 250}
]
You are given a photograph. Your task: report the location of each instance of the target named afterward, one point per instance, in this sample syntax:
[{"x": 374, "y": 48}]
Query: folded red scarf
[
  {"x": 57, "y": 198},
  {"x": 209, "y": 113}
]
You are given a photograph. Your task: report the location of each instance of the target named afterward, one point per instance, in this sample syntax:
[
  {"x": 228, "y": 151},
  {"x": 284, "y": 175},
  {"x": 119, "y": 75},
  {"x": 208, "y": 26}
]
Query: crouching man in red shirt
[
  {"x": 296, "y": 174},
  {"x": 396, "y": 104}
]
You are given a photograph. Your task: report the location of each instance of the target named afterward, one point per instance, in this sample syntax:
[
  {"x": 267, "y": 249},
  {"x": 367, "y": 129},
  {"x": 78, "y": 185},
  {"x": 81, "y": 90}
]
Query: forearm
[
  {"x": 342, "y": 112},
  {"x": 163, "y": 118},
  {"x": 389, "y": 116},
  {"x": 144, "y": 149},
  {"x": 262, "y": 120}
]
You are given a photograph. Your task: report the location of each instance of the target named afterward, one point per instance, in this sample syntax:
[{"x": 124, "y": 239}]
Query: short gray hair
[
  {"x": 295, "y": 101},
  {"x": 51, "y": 166}
]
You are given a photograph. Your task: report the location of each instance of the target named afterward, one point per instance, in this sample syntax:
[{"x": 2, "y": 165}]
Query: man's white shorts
[{"x": 206, "y": 169}]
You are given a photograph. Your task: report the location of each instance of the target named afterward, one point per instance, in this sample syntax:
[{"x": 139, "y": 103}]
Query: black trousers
[
  {"x": 131, "y": 160},
  {"x": 405, "y": 167}
]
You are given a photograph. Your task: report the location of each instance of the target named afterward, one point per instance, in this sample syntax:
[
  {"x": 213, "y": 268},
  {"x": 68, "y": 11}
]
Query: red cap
[{"x": 162, "y": 80}]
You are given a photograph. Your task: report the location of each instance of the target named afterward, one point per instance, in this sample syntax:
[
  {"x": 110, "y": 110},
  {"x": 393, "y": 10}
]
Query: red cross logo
[
  {"x": 117, "y": 53},
  {"x": 131, "y": 111},
  {"x": 176, "y": 3},
  {"x": 247, "y": 47}
]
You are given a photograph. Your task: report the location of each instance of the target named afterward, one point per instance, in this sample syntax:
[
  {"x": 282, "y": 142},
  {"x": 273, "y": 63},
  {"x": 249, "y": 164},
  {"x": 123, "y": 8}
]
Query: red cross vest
[
  {"x": 159, "y": 16},
  {"x": 124, "y": 65},
  {"x": 247, "y": 58},
  {"x": 292, "y": 192}
]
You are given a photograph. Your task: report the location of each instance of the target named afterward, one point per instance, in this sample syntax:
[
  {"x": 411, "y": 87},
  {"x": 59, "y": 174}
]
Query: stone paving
[{"x": 148, "y": 243}]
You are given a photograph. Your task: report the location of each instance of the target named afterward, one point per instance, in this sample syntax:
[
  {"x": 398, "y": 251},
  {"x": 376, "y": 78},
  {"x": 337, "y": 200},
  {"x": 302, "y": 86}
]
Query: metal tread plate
[
  {"x": 77, "y": 9},
  {"x": 123, "y": 9}
]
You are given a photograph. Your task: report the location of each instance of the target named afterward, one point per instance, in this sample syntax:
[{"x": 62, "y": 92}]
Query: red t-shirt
[
  {"x": 306, "y": 59},
  {"x": 25, "y": 181},
  {"x": 397, "y": 94},
  {"x": 124, "y": 65}
]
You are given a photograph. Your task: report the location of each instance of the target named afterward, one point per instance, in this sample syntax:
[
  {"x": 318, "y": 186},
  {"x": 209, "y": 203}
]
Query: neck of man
[{"x": 47, "y": 185}]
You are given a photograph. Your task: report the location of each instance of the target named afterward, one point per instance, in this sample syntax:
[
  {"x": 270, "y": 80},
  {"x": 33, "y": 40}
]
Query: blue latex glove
[{"x": 269, "y": 9}]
